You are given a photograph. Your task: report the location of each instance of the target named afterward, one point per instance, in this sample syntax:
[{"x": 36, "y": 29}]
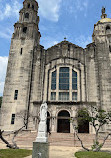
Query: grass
[
  {"x": 91, "y": 154},
  {"x": 11, "y": 153}
]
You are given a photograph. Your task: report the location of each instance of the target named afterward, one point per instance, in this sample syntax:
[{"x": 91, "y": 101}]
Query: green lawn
[
  {"x": 11, "y": 153},
  {"x": 85, "y": 154}
]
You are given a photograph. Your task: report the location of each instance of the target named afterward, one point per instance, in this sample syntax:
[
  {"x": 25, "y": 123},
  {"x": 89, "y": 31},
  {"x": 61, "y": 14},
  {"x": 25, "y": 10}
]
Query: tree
[
  {"x": 21, "y": 115},
  {"x": 96, "y": 117},
  {"x": 0, "y": 101}
]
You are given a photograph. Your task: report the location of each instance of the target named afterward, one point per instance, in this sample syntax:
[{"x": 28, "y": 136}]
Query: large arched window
[
  {"x": 64, "y": 78},
  {"x": 64, "y": 85}
]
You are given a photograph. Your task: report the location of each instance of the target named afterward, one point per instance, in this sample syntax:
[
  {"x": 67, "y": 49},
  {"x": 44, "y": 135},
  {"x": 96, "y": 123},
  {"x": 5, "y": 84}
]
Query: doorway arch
[
  {"x": 63, "y": 122},
  {"x": 83, "y": 124}
]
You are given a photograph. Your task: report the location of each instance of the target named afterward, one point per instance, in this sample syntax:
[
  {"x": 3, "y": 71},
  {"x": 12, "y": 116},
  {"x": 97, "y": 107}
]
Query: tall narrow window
[
  {"x": 32, "y": 6},
  {"x": 16, "y": 95},
  {"x": 74, "y": 96},
  {"x": 13, "y": 119},
  {"x": 64, "y": 78},
  {"x": 27, "y": 15},
  {"x": 74, "y": 80},
  {"x": 24, "y": 29},
  {"x": 21, "y": 51},
  {"x": 53, "y": 95},
  {"x": 28, "y": 5},
  {"x": 53, "y": 84},
  {"x": 110, "y": 48}
]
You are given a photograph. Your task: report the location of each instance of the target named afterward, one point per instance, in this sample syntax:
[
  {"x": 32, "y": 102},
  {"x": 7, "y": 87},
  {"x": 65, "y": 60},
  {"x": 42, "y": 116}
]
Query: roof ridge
[{"x": 63, "y": 42}]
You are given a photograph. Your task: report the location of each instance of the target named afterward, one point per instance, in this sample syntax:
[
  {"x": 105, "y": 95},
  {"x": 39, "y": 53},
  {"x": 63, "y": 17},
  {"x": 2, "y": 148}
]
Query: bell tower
[
  {"x": 102, "y": 40},
  {"x": 26, "y": 37},
  {"x": 27, "y": 26}
]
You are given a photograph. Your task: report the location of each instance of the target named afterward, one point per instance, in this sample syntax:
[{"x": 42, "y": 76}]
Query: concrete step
[{"x": 26, "y": 139}]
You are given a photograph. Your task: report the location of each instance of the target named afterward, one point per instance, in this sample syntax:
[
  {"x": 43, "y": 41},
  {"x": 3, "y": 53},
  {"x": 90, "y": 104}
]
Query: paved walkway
[
  {"x": 61, "y": 152},
  {"x": 65, "y": 152}
]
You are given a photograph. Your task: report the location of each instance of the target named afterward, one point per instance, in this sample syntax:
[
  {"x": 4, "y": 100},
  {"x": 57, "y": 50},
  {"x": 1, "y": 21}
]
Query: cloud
[
  {"x": 50, "y": 9},
  {"x": 75, "y": 6},
  {"x": 3, "y": 67},
  {"x": 6, "y": 33},
  {"x": 49, "y": 42},
  {"x": 81, "y": 5},
  {"x": 10, "y": 10},
  {"x": 82, "y": 41}
]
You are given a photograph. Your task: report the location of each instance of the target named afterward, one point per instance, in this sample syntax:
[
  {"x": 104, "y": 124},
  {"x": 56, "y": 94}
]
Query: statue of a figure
[
  {"x": 43, "y": 112},
  {"x": 42, "y": 129},
  {"x": 103, "y": 10}
]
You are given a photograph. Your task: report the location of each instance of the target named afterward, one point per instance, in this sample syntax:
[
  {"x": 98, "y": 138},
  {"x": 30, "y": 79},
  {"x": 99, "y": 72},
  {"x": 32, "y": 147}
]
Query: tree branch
[
  {"x": 81, "y": 143},
  {"x": 105, "y": 139}
]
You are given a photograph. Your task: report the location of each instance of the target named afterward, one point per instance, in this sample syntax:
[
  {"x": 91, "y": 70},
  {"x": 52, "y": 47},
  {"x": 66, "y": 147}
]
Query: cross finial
[
  {"x": 103, "y": 10},
  {"x": 104, "y": 15},
  {"x": 65, "y": 38}
]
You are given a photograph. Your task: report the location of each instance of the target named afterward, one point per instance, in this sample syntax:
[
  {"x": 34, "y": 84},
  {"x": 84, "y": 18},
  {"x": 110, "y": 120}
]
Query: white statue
[
  {"x": 42, "y": 134},
  {"x": 43, "y": 112}
]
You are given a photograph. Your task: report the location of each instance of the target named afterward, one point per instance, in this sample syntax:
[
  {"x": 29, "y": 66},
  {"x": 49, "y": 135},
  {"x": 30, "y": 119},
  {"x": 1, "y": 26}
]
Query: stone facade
[{"x": 66, "y": 76}]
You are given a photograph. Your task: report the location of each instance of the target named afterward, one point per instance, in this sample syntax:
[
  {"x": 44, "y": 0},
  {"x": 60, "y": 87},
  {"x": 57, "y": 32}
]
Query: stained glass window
[
  {"x": 63, "y": 96},
  {"x": 53, "y": 83},
  {"x": 74, "y": 80},
  {"x": 74, "y": 96},
  {"x": 53, "y": 95},
  {"x": 64, "y": 78}
]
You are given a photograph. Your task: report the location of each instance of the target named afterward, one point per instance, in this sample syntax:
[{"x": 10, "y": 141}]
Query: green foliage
[
  {"x": 14, "y": 153},
  {"x": 82, "y": 116},
  {"x": 91, "y": 154},
  {"x": 96, "y": 117},
  {"x": 0, "y": 101},
  {"x": 96, "y": 145}
]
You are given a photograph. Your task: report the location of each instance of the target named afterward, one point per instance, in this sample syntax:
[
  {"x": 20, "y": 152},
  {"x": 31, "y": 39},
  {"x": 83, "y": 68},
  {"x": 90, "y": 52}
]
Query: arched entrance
[
  {"x": 83, "y": 124},
  {"x": 48, "y": 122},
  {"x": 63, "y": 122},
  {"x": 84, "y": 127}
]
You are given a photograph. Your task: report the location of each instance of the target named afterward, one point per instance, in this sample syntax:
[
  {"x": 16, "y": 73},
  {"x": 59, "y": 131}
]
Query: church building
[{"x": 65, "y": 76}]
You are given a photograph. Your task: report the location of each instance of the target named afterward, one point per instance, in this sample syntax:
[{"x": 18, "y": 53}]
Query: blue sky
[{"x": 73, "y": 19}]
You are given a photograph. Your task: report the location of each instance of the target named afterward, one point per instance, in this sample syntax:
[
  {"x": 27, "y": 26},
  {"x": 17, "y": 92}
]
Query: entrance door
[
  {"x": 83, "y": 127},
  {"x": 63, "y": 122}
]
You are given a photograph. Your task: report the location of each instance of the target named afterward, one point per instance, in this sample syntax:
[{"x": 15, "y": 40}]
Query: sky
[{"x": 73, "y": 19}]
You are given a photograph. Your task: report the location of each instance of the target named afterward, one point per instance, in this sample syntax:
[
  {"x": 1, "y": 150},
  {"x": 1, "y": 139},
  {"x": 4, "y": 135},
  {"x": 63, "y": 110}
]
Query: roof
[
  {"x": 65, "y": 43},
  {"x": 104, "y": 20}
]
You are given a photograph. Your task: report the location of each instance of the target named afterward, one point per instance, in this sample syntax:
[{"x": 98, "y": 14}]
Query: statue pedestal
[
  {"x": 40, "y": 150},
  {"x": 42, "y": 134}
]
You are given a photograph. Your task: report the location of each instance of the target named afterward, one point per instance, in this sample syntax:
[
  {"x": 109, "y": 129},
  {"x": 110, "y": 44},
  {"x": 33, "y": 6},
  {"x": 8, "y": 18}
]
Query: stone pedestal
[
  {"x": 40, "y": 150},
  {"x": 42, "y": 134}
]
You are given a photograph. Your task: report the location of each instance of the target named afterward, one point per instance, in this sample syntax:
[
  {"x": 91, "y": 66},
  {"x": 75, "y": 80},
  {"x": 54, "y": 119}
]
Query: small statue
[
  {"x": 103, "y": 10},
  {"x": 43, "y": 112},
  {"x": 42, "y": 129}
]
